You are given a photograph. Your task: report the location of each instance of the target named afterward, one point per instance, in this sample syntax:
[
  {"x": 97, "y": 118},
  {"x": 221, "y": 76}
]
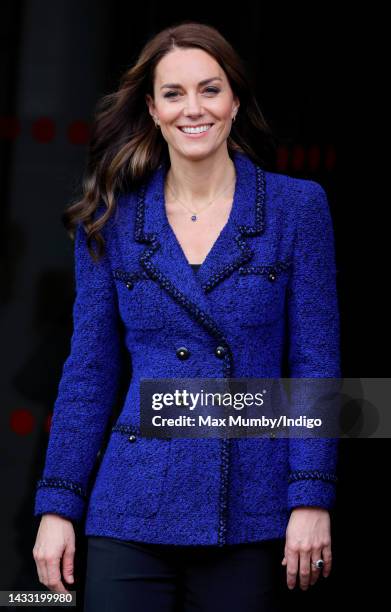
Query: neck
[{"x": 197, "y": 182}]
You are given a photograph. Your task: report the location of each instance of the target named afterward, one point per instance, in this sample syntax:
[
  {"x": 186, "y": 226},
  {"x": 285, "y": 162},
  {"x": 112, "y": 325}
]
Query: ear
[{"x": 150, "y": 103}]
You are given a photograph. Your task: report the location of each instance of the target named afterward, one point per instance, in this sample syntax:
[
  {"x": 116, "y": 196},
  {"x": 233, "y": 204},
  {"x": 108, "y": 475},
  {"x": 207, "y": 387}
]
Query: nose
[{"x": 193, "y": 106}]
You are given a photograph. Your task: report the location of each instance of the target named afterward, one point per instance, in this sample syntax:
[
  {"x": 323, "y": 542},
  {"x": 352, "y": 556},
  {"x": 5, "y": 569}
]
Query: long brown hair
[{"x": 125, "y": 147}]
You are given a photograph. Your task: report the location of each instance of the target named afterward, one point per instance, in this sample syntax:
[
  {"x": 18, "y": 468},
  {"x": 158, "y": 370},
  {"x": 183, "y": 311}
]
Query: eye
[
  {"x": 170, "y": 94},
  {"x": 212, "y": 89}
]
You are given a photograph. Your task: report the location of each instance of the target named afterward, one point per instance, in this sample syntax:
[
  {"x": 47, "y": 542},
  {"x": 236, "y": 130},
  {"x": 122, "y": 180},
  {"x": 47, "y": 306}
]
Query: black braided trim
[
  {"x": 62, "y": 483},
  {"x": 130, "y": 277},
  {"x": 133, "y": 430},
  {"x": 311, "y": 475},
  {"x": 275, "y": 268}
]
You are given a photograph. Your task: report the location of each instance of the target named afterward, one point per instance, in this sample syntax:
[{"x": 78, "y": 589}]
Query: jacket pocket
[
  {"x": 263, "y": 469},
  {"x": 262, "y": 290},
  {"x": 132, "y": 474},
  {"x": 139, "y": 299}
]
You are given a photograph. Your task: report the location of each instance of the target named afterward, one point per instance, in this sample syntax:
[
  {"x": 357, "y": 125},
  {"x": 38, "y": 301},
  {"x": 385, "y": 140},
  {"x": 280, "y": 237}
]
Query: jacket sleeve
[
  {"x": 87, "y": 390},
  {"x": 314, "y": 345}
]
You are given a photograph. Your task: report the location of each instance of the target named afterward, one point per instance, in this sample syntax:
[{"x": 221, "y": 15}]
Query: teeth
[{"x": 198, "y": 130}]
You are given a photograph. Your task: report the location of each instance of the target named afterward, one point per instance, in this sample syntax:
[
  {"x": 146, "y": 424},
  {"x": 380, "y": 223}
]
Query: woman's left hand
[{"x": 308, "y": 539}]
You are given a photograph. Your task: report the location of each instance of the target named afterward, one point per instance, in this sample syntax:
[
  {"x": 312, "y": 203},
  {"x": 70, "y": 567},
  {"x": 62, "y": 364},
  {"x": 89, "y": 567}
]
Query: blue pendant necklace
[{"x": 195, "y": 213}]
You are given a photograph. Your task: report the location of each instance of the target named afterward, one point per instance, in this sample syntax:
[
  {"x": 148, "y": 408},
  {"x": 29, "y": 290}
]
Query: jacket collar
[{"x": 163, "y": 258}]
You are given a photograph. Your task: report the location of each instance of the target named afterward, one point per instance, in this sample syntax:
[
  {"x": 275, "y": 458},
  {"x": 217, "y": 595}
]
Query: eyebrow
[{"x": 200, "y": 83}]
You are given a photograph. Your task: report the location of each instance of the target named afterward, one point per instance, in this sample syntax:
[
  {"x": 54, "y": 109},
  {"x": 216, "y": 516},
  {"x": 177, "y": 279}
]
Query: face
[{"x": 182, "y": 99}]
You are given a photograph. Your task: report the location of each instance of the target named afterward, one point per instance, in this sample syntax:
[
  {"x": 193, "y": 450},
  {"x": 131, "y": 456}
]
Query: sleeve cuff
[
  {"x": 312, "y": 488},
  {"x": 60, "y": 496}
]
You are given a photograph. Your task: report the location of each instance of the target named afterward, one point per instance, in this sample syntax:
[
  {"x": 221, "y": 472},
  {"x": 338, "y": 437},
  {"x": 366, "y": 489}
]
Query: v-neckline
[{"x": 222, "y": 232}]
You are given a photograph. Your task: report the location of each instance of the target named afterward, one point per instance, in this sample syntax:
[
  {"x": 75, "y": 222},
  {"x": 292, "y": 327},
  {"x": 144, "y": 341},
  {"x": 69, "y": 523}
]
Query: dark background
[{"x": 57, "y": 58}]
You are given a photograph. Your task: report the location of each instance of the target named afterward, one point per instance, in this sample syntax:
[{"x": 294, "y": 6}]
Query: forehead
[{"x": 187, "y": 66}]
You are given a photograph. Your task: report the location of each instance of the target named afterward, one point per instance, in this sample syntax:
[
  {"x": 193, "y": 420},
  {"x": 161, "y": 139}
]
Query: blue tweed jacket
[{"x": 267, "y": 285}]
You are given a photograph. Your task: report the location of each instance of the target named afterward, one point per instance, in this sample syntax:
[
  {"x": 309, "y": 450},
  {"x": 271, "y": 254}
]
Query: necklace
[{"x": 195, "y": 213}]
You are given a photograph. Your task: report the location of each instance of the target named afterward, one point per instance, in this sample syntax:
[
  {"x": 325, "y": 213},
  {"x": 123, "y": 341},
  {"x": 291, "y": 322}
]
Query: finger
[
  {"x": 327, "y": 558},
  {"x": 54, "y": 582},
  {"x": 39, "y": 565},
  {"x": 305, "y": 569},
  {"x": 292, "y": 559},
  {"x": 44, "y": 572},
  {"x": 315, "y": 572},
  {"x": 67, "y": 564}
]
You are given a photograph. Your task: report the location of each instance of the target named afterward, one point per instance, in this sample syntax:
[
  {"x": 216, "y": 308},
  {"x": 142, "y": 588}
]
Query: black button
[
  {"x": 182, "y": 353},
  {"x": 132, "y": 438},
  {"x": 271, "y": 276},
  {"x": 129, "y": 285},
  {"x": 220, "y": 351}
]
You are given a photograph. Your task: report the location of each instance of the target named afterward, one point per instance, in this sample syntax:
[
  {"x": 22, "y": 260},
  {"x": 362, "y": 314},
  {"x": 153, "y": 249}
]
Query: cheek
[
  {"x": 223, "y": 109},
  {"x": 167, "y": 113},
  {"x": 224, "y": 128}
]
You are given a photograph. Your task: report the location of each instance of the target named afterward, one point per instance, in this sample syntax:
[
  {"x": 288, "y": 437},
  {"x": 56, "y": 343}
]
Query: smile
[{"x": 196, "y": 131}]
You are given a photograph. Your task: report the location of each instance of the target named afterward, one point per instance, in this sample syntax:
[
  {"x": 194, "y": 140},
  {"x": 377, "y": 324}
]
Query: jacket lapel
[{"x": 163, "y": 258}]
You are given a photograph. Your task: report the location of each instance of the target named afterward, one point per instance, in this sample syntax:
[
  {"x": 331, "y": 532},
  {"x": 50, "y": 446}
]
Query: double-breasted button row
[
  {"x": 183, "y": 352},
  {"x": 132, "y": 438}
]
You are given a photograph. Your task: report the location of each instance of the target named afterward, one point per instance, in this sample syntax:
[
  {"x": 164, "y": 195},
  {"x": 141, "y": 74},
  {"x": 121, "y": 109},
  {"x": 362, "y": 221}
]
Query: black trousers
[{"x": 142, "y": 577}]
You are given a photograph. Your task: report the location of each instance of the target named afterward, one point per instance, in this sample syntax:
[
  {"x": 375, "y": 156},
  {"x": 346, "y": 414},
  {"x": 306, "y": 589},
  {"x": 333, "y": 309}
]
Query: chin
[{"x": 197, "y": 155}]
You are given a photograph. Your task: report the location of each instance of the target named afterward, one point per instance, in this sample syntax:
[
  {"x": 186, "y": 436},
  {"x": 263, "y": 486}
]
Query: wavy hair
[{"x": 124, "y": 146}]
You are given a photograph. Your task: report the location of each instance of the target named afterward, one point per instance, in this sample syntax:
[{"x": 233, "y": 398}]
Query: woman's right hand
[{"x": 55, "y": 543}]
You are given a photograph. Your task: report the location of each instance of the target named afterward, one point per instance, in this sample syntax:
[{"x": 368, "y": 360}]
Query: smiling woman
[{"x": 177, "y": 174}]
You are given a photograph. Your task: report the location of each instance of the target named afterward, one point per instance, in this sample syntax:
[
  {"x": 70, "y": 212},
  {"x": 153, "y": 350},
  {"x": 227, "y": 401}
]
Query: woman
[{"x": 175, "y": 180}]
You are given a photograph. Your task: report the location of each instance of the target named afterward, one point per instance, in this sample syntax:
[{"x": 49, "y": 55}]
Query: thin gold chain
[{"x": 194, "y": 212}]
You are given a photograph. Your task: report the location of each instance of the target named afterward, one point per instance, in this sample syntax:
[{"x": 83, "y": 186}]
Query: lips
[
  {"x": 196, "y": 135},
  {"x": 194, "y": 126}
]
